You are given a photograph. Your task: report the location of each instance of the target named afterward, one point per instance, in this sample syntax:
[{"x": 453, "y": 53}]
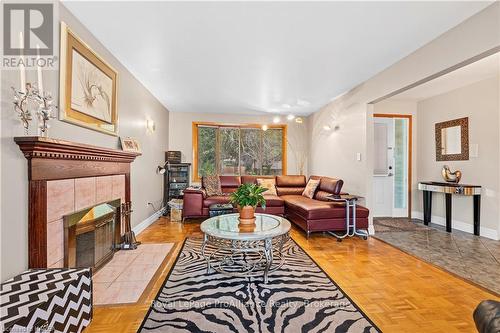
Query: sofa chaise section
[{"x": 310, "y": 214}]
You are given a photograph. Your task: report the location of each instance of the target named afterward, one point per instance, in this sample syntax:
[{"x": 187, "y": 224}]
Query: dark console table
[{"x": 449, "y": 189}]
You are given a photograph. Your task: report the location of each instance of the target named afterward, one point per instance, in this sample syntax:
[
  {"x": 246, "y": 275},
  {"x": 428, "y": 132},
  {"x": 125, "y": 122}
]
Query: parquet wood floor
[{"x": 397, "y": 291}]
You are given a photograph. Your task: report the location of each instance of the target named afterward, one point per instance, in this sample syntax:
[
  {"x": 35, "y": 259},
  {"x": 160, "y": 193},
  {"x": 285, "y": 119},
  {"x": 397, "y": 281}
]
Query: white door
[{"x": 383, "y": 168}]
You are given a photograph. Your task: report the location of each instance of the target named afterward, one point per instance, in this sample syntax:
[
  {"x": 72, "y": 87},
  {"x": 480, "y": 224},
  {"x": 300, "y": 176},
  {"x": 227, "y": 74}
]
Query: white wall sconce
[
  {"x": 290, "y": 117},
  {"x": 276, "y": 120},
  {"x": 327, "y": 128},
  {"x": 265, "y": 127},
  {"x": 299, "y": 120},
  {"x": 150, "y": 125}
]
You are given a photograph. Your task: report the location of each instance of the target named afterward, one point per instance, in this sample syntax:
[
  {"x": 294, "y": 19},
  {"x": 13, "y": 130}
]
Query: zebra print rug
[{"x": 299, "y": 297}]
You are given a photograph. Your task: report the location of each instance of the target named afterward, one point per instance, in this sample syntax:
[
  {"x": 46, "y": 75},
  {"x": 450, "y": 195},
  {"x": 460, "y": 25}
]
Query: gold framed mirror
[{"x": 452, "y": 140}]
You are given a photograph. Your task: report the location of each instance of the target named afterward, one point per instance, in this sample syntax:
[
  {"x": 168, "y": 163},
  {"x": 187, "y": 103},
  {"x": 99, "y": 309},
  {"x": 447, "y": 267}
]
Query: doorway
[{"x": 392, "y": 165}]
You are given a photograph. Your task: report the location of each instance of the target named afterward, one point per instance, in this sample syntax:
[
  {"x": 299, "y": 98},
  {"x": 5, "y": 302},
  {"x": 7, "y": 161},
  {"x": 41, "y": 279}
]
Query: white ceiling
[
  {"x": 480, "y": 70},
  {"x": 253, "y": 57}
]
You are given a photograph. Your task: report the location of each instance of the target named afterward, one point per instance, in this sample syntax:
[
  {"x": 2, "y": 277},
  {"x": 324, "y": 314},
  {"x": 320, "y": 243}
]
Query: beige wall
[
  {"x": 135, "y": 103},
  {"x": 394, "y": 106},
  {"x": 479, "y": 102},
  {"x": 180, "y": 133},
  {"x": 353, "y": 113}
]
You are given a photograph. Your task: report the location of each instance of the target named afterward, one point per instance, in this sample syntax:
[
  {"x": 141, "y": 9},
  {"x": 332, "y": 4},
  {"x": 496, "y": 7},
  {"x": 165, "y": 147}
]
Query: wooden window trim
[{"x": 194, "y": 130}]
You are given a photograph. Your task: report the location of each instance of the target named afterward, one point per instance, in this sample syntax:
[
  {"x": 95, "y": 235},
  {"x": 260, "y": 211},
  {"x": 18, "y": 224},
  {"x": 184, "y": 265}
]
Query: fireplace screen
[{"x": 90, "y": 236}]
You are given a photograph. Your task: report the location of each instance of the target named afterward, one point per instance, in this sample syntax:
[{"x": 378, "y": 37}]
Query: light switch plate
[
  {"x": 358, "y": 157},
  {"x": 474, "y": 150}
]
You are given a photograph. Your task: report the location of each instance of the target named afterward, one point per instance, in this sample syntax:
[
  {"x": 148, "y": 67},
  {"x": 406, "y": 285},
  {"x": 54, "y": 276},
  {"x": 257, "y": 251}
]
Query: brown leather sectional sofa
[{"x": 317, "y": 214}]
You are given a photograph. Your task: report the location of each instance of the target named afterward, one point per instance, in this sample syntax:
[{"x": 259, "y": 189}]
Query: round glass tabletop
[{"x": 228, "y": 227}]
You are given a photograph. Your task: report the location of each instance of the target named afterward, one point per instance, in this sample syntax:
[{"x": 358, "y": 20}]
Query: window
[{"x": 238, "y": 150}]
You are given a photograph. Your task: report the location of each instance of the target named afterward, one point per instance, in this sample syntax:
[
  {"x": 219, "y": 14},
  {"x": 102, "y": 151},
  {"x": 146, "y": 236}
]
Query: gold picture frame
[
  {"x": 130, "y": 144},
  {"x": 87, "y": 86},
  {"x": 463, "y": 155}
]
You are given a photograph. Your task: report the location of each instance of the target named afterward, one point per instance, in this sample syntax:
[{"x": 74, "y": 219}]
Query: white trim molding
[
  {"x": 147, "y": 222},
  {"x": 371, "y": 230},
  {"x": 459, "y": 225}
]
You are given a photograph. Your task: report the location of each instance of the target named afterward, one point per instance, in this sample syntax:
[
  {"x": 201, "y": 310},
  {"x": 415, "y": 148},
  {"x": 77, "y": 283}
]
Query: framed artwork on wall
[
  {"x": 130, "y": 144},
  {"x": 88, "y": 86}
]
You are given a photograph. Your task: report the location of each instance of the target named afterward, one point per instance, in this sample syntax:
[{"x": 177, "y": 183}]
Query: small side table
[
  {"x": 351, "y": 230},
  {"x": 220, "y": 209}
]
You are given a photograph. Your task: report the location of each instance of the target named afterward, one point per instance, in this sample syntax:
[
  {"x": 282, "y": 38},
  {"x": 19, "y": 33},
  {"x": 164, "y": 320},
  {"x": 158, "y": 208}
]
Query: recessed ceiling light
[
  {"x": 276, "y": 120},
  {"x": 286, "y": 106},
  {"x": 264, "y": 127},
  {"x": 327, "y": 128},
  {"x": 290, "y": 117},
  {"x": 298, "y": 120}
]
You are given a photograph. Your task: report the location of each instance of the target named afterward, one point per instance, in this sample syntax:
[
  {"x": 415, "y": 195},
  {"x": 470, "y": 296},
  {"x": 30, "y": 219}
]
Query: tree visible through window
[
  {"x": 236, "y": 150},
  {"x": 206, "y": 149}
]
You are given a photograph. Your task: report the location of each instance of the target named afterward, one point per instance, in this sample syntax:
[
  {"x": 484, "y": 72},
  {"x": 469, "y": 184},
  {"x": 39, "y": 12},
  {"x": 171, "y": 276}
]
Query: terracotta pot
[
  {"x": 246, "y": 212},
  {"x": 246, "y": 227},
  {"x": 247, "y": 222}
]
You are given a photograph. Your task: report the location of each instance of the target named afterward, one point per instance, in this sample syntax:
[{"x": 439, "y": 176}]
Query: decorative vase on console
[
  {"x": 246, "y": 198},
  {"x": 451, "y": 177}
]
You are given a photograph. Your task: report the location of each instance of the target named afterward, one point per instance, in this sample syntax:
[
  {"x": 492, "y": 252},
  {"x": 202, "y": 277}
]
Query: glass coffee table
[{"x": 239, "y": 250}]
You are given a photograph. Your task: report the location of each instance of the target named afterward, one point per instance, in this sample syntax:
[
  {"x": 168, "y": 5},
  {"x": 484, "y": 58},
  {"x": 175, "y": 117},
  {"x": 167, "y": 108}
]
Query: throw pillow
[
  {"x": 270, "y": 184},
  {"x": 212, "y": 185},
  {"x": 311, "y": 187}
]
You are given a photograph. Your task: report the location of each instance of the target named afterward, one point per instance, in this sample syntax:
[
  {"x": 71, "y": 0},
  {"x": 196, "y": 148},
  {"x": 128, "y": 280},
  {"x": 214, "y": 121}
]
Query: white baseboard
[
  {"x": 147, "y": 222},
  {"x": 371, "y": 229},
  {"x": 459, "y": 225}
]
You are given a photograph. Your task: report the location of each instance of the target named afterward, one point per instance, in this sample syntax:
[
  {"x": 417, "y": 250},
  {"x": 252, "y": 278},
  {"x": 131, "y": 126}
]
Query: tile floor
[
  {"x": 124, "y": 278},
  {"x": 471, "y": 257}
]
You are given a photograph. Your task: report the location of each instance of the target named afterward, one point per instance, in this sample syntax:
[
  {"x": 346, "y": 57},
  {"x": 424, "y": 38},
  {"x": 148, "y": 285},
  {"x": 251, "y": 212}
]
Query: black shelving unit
[{"x": 177, "y": 178}]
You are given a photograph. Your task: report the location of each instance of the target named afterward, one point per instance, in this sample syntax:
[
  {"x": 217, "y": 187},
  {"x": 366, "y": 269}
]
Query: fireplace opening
[{"x": 90, "y": 235}]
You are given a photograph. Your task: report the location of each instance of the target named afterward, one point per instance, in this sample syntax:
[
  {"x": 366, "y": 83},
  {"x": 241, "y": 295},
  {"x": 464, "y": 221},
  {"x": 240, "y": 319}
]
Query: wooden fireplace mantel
[
  {"x": 53, "y": 159},
  {"x": 58, "y": 159}
]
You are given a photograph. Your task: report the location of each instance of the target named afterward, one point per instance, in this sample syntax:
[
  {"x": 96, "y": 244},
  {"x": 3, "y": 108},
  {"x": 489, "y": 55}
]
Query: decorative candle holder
[{"x": 33, "y": 101}]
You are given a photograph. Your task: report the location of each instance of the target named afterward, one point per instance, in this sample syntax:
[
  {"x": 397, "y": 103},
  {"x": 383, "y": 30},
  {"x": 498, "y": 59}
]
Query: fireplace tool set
[{"x": 129, "y": 240}]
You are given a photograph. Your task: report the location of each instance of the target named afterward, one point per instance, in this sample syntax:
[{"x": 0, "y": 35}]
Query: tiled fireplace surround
[
  {"x": 67, "y": 196},
  {"x": 66, "y": 177}
]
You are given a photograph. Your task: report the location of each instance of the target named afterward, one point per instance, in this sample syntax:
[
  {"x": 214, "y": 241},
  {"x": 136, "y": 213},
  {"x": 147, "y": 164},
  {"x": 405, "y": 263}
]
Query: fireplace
[
  {"x": 65, "y": 177},
  {"x": 90, "y": 235}
]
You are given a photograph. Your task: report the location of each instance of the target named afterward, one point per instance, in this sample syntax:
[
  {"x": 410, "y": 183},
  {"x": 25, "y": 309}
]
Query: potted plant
[{"x": 246, "y": 198}]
